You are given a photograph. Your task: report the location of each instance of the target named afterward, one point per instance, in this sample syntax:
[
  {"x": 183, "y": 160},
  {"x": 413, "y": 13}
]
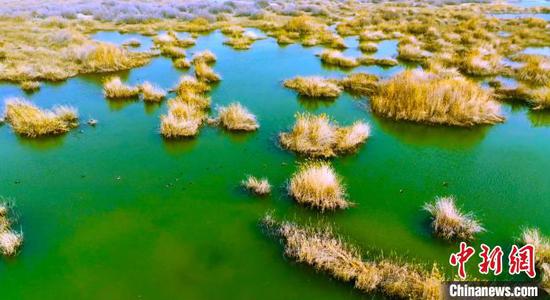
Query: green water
[{"x": 116, "y": 212}]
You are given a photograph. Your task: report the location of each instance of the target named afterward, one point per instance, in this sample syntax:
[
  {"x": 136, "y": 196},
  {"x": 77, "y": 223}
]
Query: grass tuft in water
[
  {"x": 151, "y": 93},
  {"x": 318, "y": 136},
  {"x": 258, "y": 186},
  {"x": 114, "y": 88},
  {"x": 236, "y": 117},
  {"x": 336, "y": 58},
  {"x": 449, "y": 222},
  {"x": 28, "y": 120},
  {"x": 317, "y": 185},
  {"x": 314, "y": 86},
  {"x": 205, "y": 73},
  {"x": 10, "y": 240}
]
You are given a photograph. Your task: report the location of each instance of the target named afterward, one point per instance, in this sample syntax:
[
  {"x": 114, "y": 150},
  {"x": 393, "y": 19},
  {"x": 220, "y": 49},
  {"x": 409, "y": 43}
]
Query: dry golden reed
[
  {"x": 317, "y": 185},
  {"x": 449, "y": 222},
  {"x": 259, "y": 186},
  {"x": 314, "y": 86},
  {"x": 28, "y": 120},
  {"x": 318, "y": 136},
  {"x": 236, "y": 117},
  {"x": 426, "y": 97},
  {"x": 323, "y": 250}
]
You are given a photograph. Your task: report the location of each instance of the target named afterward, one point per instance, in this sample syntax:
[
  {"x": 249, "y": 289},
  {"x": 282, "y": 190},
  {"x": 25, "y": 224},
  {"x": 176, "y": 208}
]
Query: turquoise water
[{"x": 117, "y": 212}]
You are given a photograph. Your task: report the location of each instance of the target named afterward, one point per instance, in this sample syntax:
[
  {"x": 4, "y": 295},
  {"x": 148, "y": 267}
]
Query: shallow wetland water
[{"x": 116, "y": 211}]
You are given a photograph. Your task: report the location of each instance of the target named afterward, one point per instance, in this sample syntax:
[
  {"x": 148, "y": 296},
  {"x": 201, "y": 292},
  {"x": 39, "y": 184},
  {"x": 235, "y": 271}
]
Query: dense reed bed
[
  {"x": 449, "y": 222},
  {"x": 315, "y": 184},
  {"x": 321, "y": 249},
  {"x": 28, "y": 120},
  {"x": 426, "y": 97},
  {"x": 10, "y": 240},
  {"x": 318, "y": 136}
]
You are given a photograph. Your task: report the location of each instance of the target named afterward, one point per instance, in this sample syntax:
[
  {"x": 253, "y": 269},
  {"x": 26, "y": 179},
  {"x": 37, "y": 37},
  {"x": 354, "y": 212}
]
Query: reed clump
[
  {"x": 182, "y": 63},
  {"x": 205, "y": 73},
  {"x": 205, "y": 56},
  {"x": 336, "y": 58},
  {"x": 114, "y": 88},
  {"x": 10, "y": 240},
  {"x": 541, "y": 243},
  {"x": 151, "y": 93},
  {"x": 314, "y": 86},
  {"x": 426, "y": 97},
  {"x": 235, "y": 117},
  {"x": 110, "y": 58},
  {"x": 317, "y": 185},
  {"x": 30, "y": 85},
  {"x": 318, "y": 136},
  {"x": 259, "y": 186},
  {"x": 240, "y": 41},
  {"x": 320, "y": 248},
  {"x": 536, "y": 70},
  {"x": 28, "y": 120},
  {"x": 368, "y": 47},
  {"x": 189, "y": 84},
  {"x": 383, "y": 62},
  {"x": 534, "y": 237},
  {"x": 172, "y": 51},
  {"x": 182, "y": 120},
  {"x": 412, "y": 52},
  {"x": 449, "y": 222},
  {"x": 132, "y": 43},
  {"x": 360, "y": 83}
]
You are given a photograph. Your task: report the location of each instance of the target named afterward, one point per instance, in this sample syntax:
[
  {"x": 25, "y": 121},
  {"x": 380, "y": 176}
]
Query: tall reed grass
[
  {"x": 425, "y": 97},
  {"x": 318, "y": 136},
  {"x": 10, "y": 240},
  {"x": 326, "y": 252},
  {"x": 449, "y": 222},
  {"x": 28, "y": 120},
  {"x": 314, "y": 86},
  {"x": 236, "y": 117},
  {"x": 317, "y": 185}
]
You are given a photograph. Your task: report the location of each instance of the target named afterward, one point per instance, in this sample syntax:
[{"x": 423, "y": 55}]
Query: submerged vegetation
[
  {"x": 430, "y": 98},
  {"x": 28, "y": 120},
  {"x": 449, "y": 222},
  {"x": 318, "y": 136},
  {"x": 317, "y": 185},
  {"x": 10, "y": 240},
  {"x": 326, "y": 252}
]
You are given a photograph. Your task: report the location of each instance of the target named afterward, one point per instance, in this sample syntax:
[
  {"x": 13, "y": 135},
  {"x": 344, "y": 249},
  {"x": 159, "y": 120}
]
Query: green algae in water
[{"x": 117, "y": 212}]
